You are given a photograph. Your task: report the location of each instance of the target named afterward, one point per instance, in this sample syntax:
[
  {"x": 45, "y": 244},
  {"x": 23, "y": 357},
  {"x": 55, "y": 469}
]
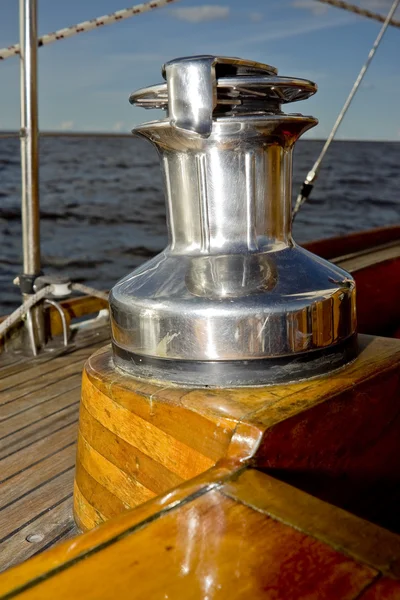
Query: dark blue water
[{"x": 102, "y": 204}]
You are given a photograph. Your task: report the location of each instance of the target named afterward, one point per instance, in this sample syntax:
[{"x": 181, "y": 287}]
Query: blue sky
[{"x": 85, "y": 82}]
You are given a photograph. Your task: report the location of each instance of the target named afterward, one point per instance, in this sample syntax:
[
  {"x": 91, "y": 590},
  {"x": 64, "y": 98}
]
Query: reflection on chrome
[{"x": 232, "y": 297}]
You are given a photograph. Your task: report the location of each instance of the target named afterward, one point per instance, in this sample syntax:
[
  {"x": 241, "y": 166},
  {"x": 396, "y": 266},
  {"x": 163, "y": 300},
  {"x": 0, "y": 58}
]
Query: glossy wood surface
[
  {"x": 373, "y": 258},
  {"x": 341, "y": 470},
  {"x": 230, "y": 535},
  {"x": 137, "y": 440},
  {"x": 378, "y": 298},
  {"x": 352, "y": 243},
  {"x": 74, "y": 308}
]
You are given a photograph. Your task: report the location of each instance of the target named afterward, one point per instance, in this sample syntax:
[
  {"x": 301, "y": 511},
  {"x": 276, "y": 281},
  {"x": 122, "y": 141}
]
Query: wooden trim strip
[
  {"x": 61, "y": 558},
  {"x": 346, "y": 533},
  {"x": 151, "y": 439},
  {"x": 153, "y": 475},
  {"x": 376, "y": 354},
  {"x": 211, "y": 545},
  {"x": 367, "y": 259},
  {"x": 128, "y": 489},
  {"x": 107, "y": 503},
  {"x": 353, "y": 242}
]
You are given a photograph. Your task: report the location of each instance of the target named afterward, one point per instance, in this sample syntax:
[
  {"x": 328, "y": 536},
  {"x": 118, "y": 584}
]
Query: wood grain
[
  {"x": 383, "y": 589},
  {"x": 39, "y": 403},
  {"x": 234, "y": 533},
  {"x": 36, "y": 476},
  {"x": 204, "y": 545},
  {"x": 373, "y": 258},
  {"x": 326, "y": 428},
  {"x": 378, "y": 298},
  {"x": 43, "y": 532},
  {"x": 363, "y": 541},
  {"x": 133, "y": 461},
  {"x": 172, "y": 434},
  {"x": 13, "y": 516},
  {"x": 352, "y": 243},
  {"x": 34, "y": 432},
  {"x": 74, "y": 308}
]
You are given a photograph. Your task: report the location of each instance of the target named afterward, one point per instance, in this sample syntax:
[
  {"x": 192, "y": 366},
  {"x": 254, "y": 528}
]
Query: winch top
[
  {"x": 232, "y": 300},
  {"x": 200, "y": 88}
]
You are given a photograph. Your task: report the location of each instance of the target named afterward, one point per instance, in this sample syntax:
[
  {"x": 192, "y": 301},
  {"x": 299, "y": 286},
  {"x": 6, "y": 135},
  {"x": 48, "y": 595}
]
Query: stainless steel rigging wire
[{"x": 308, "y": 183}]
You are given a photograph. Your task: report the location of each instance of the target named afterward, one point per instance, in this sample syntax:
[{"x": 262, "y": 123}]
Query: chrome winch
[{"x": 232, "y": 301}]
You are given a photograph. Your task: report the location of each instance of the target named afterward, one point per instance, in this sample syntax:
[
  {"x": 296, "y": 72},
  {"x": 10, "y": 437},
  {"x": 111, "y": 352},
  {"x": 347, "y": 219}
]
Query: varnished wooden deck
[{"x": 39, "y": 404}]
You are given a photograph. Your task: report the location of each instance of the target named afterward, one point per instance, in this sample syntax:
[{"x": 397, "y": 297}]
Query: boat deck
[
  {"x": 39, "y": 404},
  {"x": 39, "y": 399}
]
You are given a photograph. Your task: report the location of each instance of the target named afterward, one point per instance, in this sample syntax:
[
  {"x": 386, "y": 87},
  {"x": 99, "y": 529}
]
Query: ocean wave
[{"x": 103, "y": 213}]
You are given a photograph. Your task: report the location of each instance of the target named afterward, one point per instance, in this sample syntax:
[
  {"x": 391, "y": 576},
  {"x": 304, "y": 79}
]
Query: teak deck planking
[{"x": 39, "y": 406}]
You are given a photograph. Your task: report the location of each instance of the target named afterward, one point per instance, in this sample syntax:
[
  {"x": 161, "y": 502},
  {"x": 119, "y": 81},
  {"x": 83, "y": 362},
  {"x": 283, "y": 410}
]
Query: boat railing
[
  {"x": 29, "y": 134},
  {"x": 29, "y": 131}
]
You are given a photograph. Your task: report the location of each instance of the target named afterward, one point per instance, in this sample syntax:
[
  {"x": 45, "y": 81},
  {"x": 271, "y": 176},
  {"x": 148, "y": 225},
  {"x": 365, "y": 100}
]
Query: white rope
[
  {"x": 89, "y": 291},
  {"x": 34, "y": 299},
  {"x": 21, "y": 311},
  {"x": 67, "y": 32}
]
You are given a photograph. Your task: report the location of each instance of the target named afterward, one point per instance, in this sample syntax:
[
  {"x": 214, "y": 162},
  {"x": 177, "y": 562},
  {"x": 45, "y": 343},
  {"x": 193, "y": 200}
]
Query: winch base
[{"x": 237, "y": 373}]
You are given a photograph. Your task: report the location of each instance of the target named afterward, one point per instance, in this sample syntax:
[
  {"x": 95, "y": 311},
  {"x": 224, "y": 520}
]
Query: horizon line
[{"x": 54, "y": 133}]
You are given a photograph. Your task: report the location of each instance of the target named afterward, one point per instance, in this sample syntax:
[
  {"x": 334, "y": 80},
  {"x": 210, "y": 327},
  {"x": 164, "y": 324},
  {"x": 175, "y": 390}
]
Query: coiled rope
[
  {"x": 67, "y": 32},
  {"x": 360, "y": 11}
]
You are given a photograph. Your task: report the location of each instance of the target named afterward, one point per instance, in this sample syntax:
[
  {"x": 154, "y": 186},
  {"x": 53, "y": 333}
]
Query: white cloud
[
  {"x": 312, "y": 5},
  {"x": 118, "y": 126},
  {"x": 66, "y": 125},
  {"x": 256, "y": 17},
  {"x": 285, "y": 30},
  {"x": 198, "y": 14}
]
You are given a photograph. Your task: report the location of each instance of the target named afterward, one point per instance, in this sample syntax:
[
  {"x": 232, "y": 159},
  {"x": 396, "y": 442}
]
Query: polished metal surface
[
  {"x": 30, "y": 160},
  {"x": 29, "y": 138},
  {"x": 232, "y": 286}
]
